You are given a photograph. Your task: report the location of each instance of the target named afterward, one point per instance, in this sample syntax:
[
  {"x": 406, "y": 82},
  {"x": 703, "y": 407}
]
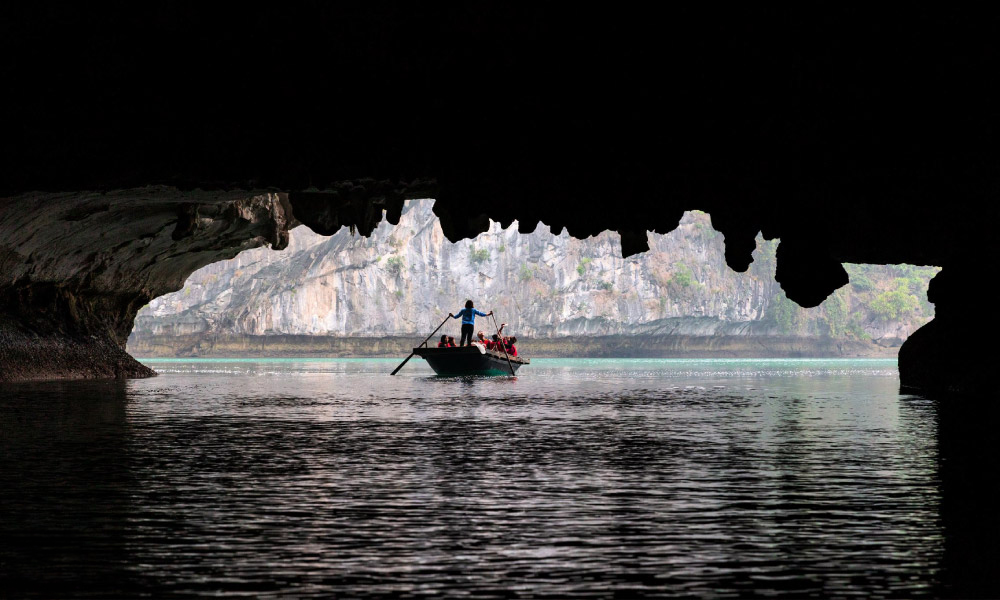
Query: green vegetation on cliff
[{"x": 877, "y": 297}]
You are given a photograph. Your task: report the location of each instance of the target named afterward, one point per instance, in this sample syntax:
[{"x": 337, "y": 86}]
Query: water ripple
[{"x": 313, "y": 479}]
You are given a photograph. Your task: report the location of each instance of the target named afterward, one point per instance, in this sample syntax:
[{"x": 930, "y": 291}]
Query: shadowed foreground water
[{"x": 579, "y": 478}]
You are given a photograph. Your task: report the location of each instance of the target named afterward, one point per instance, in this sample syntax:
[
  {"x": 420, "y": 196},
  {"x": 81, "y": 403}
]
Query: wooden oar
[
  {"x": 421, "y": 344},
  {"x": 503, "y": 346}
]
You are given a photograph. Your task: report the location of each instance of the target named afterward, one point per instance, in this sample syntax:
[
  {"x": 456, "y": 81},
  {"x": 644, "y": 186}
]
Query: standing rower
[{"x": 468, "y": 315}]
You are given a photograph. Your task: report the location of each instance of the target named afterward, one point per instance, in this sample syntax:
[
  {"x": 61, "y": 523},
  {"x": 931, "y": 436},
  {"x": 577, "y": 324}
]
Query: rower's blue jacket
[{"x": 468, "y": 315}]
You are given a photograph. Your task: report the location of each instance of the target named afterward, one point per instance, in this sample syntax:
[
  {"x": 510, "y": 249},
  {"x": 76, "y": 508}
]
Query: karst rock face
[
  {"x": 403, "y": 279},
  {"x": 846, "y": 135}
]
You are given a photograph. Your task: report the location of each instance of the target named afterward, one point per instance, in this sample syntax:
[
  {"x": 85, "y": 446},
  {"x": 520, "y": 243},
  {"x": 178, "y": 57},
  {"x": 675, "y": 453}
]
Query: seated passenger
[
  {"x": 511, "y": 348},
  {"x": 495, "y": 343},
  {"x": 481, "y": 339},
  {"x": 451, "y": 342},
  {"x": 444, "y": 342}
]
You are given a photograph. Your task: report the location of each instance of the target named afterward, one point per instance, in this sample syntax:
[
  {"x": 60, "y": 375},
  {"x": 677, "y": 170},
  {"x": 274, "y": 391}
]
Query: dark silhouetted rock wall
[{"x": 845, "y": 132}]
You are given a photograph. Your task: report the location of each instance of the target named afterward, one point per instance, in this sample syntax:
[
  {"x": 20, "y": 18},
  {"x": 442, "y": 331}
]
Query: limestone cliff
[{"x": 404, "y": 279}]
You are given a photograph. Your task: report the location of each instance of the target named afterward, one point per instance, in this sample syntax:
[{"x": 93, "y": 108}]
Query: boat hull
[{"x": 468, "y": 360}]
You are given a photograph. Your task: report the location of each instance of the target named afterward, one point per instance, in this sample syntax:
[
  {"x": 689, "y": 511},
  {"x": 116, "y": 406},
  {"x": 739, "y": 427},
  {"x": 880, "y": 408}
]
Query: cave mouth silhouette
[
  {"x": 136, "y": 143},
  {"x": 72, "y": 296}
]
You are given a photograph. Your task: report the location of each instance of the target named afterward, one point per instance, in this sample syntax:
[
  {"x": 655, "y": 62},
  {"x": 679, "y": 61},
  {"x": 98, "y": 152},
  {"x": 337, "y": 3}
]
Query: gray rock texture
[
  {"x": 75, "y": 268},
  {"x": 404, "y": 279}
]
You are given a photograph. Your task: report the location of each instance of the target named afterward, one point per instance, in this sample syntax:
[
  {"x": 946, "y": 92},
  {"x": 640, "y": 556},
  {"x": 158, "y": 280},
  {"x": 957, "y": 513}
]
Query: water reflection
[
  {"x": 326, "y": 480},
  {"x": 65, "y": 481}
]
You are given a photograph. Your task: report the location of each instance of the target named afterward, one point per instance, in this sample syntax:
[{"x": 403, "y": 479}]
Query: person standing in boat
[{"x": 468, "y": 315}]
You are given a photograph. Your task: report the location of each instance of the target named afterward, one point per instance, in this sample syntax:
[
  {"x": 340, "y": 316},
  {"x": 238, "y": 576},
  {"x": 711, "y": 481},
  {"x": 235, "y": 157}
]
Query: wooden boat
[{"x": 469, "y": 360}]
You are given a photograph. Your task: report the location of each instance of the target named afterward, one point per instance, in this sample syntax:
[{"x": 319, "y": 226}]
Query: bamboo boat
[{"x": 469, "y": 360}]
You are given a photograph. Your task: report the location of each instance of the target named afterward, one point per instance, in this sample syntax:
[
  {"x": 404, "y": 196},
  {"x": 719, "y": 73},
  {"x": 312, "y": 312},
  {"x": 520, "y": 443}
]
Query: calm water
[{"x": 579, "y": 478}]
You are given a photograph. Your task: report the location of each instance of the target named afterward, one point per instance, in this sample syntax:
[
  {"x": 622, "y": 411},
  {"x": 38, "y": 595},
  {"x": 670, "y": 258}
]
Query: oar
[
  {"x": 420, "y": 344},
  {"x": 502, "y": 345}
]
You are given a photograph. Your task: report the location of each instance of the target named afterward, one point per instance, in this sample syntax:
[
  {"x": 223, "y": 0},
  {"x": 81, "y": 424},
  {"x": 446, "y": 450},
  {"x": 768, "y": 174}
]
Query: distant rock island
[{"x": 347, "y": 295}]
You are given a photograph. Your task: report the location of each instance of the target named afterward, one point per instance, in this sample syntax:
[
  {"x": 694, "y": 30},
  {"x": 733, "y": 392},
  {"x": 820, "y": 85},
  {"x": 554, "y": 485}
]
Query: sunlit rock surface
[{"x": 403, "y": 280}]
